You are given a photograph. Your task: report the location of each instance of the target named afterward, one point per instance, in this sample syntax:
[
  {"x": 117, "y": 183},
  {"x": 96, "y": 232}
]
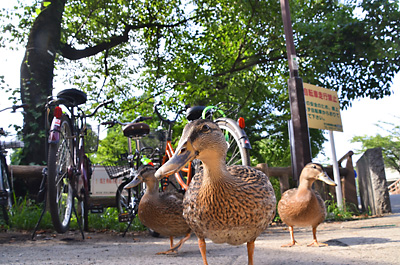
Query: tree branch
[
  {"x": 71, "y": 53},
  {"x": 250, "y": 64}
]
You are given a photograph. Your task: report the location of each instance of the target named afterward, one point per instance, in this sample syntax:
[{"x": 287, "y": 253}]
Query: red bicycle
[{"x": 68, "y": 168}]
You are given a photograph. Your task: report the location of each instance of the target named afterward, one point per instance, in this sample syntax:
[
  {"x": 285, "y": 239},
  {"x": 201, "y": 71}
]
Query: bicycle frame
[
  {"x": 79, "y": 157},
  {"x": 169, "y": 152}
]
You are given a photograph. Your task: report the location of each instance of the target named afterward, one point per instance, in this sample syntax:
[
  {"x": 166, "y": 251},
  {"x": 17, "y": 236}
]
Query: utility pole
[{"x": 298, "y": 127}]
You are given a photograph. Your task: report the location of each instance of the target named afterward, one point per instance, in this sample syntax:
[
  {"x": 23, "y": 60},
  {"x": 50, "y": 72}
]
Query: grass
[
  {"x": 334, "y": 213},
  {"x": 26, "y": 213}
]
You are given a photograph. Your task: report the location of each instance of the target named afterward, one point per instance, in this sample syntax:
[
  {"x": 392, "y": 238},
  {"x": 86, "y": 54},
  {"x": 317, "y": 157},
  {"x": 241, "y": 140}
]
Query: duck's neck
[
  {"x": 305, "y": 186},
  {"x": 152, "y": 186},
  {"x": 215, "y": 171}
]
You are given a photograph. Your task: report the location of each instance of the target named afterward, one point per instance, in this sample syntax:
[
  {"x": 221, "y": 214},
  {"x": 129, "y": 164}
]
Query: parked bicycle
[
  {"x": 236, "y": 139},
  {"x": 128, "y": 200},
  {"x": 68, "y": 168},
  {"x": 6, "y": 184}
]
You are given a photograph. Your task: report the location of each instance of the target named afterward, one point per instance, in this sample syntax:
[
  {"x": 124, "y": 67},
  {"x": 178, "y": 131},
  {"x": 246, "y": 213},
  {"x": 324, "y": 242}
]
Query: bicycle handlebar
[
  {"x": 14, "y": 107},
  {"x": 104, "y": 103}
]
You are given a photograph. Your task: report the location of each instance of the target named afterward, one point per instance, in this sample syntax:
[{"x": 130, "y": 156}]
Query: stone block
[{"x": 372, "y": 183}]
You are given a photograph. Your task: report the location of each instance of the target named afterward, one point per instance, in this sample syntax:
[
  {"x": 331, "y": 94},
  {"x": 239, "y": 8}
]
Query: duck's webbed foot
[
  {"x": 171, "y": 251},
  {"x": 315, "y": 243},
  {"x": 174, "y": 249},
  {"x": 291, "y": 244}
]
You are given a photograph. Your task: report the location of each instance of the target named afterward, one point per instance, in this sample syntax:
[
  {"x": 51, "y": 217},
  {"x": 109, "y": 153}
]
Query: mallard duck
[
  {"x": 232, "y": 204},
  {"x": 160, "y": 211},
  {"x": 303, "y": 206}
]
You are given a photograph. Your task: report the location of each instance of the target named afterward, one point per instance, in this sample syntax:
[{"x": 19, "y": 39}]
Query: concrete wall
[{"x": 372, "y": 183}]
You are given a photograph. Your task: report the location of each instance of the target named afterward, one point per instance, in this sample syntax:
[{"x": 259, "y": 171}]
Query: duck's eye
[
  {"x": 314, "y": 166},
  {"x": 205, "y": 128}
]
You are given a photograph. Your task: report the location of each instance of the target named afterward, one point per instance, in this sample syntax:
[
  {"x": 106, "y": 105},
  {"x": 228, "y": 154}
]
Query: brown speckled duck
[
  {"x": 231, "y": 205},
  {"x": 160, "y": 211},
  {"x": 303, "y": 206}
]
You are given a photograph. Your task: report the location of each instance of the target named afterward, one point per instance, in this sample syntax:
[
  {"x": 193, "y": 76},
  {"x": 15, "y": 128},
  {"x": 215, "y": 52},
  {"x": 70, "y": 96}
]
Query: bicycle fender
[
  {"x": 244, "y": 140},
  {"x": 54, "y": 135}
]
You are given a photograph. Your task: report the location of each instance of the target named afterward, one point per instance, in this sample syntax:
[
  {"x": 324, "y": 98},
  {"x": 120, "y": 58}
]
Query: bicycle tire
[
  {"x": 7, "y": 187},
  {"x": 124, "y": 199},
  {"x": 237, "y": 154},
  {"x": 60, "y": 191}
]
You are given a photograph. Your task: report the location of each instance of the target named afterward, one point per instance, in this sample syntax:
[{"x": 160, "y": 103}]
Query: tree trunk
[{"x": 37, "y": 78}]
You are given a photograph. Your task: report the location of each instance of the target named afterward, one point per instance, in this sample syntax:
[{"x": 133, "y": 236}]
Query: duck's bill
[
  {"x": 324, "y": 177},
  {"x": 135, "y": 181},
  {"x": 176, "y": 162}
]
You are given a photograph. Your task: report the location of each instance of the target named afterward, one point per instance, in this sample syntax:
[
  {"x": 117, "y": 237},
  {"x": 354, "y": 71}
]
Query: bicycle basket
[{"x": 117, "y": 171}]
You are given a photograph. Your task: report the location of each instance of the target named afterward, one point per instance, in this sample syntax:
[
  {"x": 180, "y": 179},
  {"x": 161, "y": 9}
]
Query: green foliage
[
  {"x": 25, "y": 215},
  {"x": 111, "y": 147},
  {"x": 109, "y": 221},
  {"x": 91, "y": 139},
  {"x": 334, "y": 213},
  {"x": 203, "y": 52},
  {"x": 277, "y": 189},
  {"x": 390, "y": 144}
]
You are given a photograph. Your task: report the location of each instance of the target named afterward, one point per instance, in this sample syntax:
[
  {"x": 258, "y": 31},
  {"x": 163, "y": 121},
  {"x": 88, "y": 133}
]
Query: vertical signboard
[{"x": 323, "y": 108}]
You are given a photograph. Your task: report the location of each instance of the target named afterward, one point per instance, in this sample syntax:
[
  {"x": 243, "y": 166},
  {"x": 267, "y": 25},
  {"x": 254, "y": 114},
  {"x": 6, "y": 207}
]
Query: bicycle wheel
[
  {"x": 237, "y": 154},
  {"x": 59, "y": 187},
  {"x": 6, "y": 190},
  {"x": 125, "y": 199}
]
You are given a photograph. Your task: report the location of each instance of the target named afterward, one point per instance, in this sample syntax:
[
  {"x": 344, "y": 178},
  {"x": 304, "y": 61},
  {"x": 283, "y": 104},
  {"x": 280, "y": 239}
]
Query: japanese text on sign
[{"x": 323, "y": 109}]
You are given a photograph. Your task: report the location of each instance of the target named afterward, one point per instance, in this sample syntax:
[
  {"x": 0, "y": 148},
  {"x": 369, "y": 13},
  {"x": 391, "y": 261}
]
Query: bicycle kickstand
[
  {"x": 77, "y": 218},
  {"x": 43, "y": 196},
  {"x": 130, "y": 222}
]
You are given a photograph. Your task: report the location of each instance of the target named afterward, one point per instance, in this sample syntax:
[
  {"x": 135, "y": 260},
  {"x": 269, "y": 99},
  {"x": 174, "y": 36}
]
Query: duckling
[
  {"x": 232, "y": 204},
  {"x": 303, "y": 206},
  {"x": 161, "y": 211}
]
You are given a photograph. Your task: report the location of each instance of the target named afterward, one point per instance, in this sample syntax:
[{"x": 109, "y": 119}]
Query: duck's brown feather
[
  {"x": 234, "y": 210},
  {"x": 162, "y": 212},
  {"x": 305, "y": 208}
]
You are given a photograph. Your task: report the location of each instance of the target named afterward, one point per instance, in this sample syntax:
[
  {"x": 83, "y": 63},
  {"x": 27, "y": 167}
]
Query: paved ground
[{"x": 368, "y": 241}]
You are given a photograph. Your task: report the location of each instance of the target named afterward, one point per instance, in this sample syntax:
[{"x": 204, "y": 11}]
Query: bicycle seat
[
  {"x": 136, "y": 129},
  {"x": 72, "y": 97},
  {"x": 194, "y": 113}
]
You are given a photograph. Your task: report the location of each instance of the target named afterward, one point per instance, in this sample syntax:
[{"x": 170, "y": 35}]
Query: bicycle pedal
[
  {"x": 124, "y": 217},
  {"x": 97, "y": 208}
]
